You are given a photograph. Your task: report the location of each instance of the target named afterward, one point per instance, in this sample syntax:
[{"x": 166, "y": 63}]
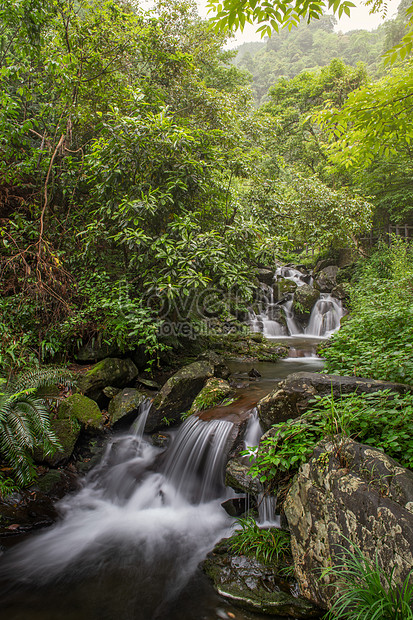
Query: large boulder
[
  {"x": 213, "y": 393},
  {"x": 349, "y": 493},
  {"x": 177, "y": 394},
  {"x": 291, "y": 397},
  {"x": 326, "y": 279},
  {"x": 125, "y": 405},
  {"x": 83, "y": 409},
  {"x": 265, "y": 275},
  {"x": 304, "y": 299},
  {"x": 110, "y": 371},
  {"x": 282, "y": 288},
  {"x": 254, "y": 586}
]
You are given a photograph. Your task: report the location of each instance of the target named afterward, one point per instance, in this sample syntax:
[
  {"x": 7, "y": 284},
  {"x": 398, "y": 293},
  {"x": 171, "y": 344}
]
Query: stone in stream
[
  {"x": 349, "y": 493},
  {"x": 177, "y": 394},
  {"x": 326, "y": 279},
  {"x": 237, "y": 476},
  {"x": 212, "y": 394},
  {"x": 125, "y": 405},
  {"x": 110, "y": 371},
  {"x": 291, "y": 397},
  {"x": 249, "y": 584},
  {"x": 265, "y": 275},
  {"x": 283, "y": 288},
  {"x": 305, "y": 298}
]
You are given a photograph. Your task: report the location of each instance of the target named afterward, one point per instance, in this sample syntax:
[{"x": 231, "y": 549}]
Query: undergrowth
[{"x": 269, "y": 546}]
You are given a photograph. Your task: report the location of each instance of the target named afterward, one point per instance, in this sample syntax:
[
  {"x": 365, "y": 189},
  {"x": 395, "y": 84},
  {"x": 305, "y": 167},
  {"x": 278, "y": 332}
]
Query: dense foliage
[
  {"x": 382, "y": 420},
  {"x": 376, "y": 340},
  {"x": 270, "y": 546},
  {"x": 367, "y": 591}
]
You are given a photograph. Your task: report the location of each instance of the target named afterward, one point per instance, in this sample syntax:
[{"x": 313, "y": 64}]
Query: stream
[{"x": 128, "y": 544}]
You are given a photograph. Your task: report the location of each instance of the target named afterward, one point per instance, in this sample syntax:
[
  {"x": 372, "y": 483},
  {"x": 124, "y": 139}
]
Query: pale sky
[{"x": 360, "y": 19}]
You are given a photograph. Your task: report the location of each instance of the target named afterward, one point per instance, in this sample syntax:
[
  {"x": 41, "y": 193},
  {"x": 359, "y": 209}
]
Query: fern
[{"x": 25, "y": 419}]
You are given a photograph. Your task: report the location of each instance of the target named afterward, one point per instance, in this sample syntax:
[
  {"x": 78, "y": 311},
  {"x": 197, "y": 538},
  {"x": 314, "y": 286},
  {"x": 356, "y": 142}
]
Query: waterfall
[
  {"x": 142, "y": 522},
  {"x": 277, "y": 319},
  {"x": 325, "y": 316},
  {"x": 195, "y": 464}
]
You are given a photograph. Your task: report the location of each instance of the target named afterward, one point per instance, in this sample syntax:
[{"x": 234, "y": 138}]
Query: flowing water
[{"x": 128, "y": 543}]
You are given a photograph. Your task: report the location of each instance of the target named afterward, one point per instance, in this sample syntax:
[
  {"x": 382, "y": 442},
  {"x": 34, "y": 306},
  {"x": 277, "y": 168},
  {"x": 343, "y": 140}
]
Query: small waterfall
[
  {"x": 294, "y": 328},
  {"x": 132, "y": 537},
  {"x": 138, "y": 426},
  {"x": 325, "y": 316},
  {"x": 195, "y": 464},
  {"x": 266, "y": 510},
  {"x": 253, "y": 432},
  {"x": 289, "y": 273}
]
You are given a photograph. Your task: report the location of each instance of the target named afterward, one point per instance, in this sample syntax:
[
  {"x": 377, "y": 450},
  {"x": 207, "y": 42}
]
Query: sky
[{"x": 360, "y": 19}]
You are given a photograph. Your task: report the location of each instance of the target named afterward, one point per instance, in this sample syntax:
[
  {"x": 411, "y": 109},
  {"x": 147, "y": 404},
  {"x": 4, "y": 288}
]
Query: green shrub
[
  {"x": 367, "y": 592},
  {"x": 377, "y": 338},
  {"x": 382, "y": 419},
  {"x": 270, "y": 546}
]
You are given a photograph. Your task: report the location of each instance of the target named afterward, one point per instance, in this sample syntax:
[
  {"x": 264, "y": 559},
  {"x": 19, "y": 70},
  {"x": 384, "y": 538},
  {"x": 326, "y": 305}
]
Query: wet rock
[
  {"x": 237, "y": 477},
  {"x": 341, "y": 291},
  {"x": 160, "y": 440},
  {"x": 110, "y": 391},
  {"x": 254, "y": 586},
  {"x": 148, "y": 383},
  {"x": 326, "y": 279},
  {"x": 275, "y": 313},
  {"x": 110, "y": 371},
  {"x": 177, "y": 395},
  {"x": 291, "y": 397},
  {"x": 254, "y": 374},
  {"x": 83, "y": 409},
  {"x": 323, "y": 263},
  {"x": 213, "y": 393},
  {"x": 221, "y": 369},
  {"x": 265, "y": 275},
  {"x": 304, "y": 299},
  {"x": 283, "y": 288},
  {"x": 33, "y": 508},
  {"x": 124, "y": 407},
  {"x": 349, "y": 492},
  {"x": 236, "y": 506}
]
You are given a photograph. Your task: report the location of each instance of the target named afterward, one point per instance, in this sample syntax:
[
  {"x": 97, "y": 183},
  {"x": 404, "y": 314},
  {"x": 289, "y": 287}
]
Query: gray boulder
[
  {"x": 177, "y": 394},
  {"x": 237, "y": 476},
  {"x": 95, "y": 351},
  {"x": 349, "y": 493},
  {"x": 291, "y": 397},
  {"x": 124, "y": 407},
  {"x": 265, "y": 275},
  {"x": 326, "y": 279},
  {"x": 110, "y": 371},
  {"x": 304, "y": 299},
  {"x": 254, "y": 586}
]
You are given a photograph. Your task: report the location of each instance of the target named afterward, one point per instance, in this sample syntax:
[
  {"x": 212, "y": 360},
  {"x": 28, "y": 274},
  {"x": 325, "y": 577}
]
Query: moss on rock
[{"x": 82, "y": 409}]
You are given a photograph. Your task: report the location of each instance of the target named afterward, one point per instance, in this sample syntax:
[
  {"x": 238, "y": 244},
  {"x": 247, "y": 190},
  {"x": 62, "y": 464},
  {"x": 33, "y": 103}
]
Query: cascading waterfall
[
  {"x": 276, "y": 319},
  {"x": 151, "y": 518}
]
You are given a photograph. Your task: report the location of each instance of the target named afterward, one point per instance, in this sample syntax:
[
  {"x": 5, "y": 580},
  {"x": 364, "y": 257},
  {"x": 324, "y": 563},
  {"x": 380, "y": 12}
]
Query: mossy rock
[
  {"x": 283, "y": 287},
  {"x": 177, "y": 394},
  {"x": 304, "y": 299},
  {"x": 82, "y": 409},
  {"x": 252, "y": 585},
  {"x": 110, "y": 371},
  {"x": 125, "y": 405},
  {"x": 213, "y": 393},
  {"x": 67, "y": 432}
]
